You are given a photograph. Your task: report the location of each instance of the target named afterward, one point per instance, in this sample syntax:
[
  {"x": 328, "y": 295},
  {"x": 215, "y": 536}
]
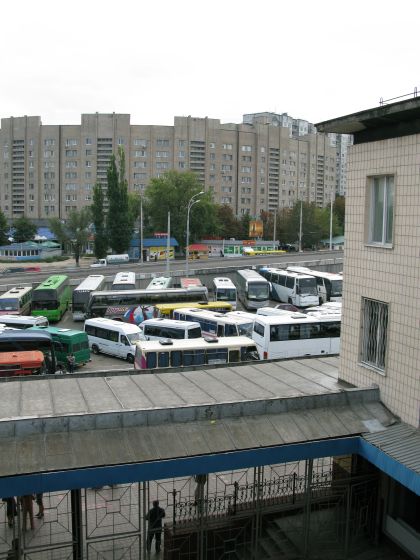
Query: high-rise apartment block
[{"x": 48, "y": 170}]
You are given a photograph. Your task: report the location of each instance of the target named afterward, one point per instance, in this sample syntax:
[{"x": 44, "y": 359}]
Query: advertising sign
[{"x": 255, "y": 228}]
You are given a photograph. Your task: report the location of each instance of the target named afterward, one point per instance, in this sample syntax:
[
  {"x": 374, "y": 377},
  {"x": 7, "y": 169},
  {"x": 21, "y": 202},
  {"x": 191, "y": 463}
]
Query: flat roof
[
  {"x": 386, "y": 121},
  {"x": 68, "y": 425}
]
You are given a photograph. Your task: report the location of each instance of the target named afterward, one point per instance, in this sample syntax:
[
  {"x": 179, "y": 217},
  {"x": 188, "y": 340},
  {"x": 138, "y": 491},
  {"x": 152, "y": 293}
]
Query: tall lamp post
[{"x": 193, "y": 200}]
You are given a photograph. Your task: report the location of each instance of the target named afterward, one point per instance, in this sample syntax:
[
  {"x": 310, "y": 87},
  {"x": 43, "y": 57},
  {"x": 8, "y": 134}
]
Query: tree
[
  {"x": 98, "y": 218},
  {"x": 315, "y": 224},
  {"x": 23, "y": 230},
  {"x": 229, "y": 223},
  {"x": 118, "y": 227},
  {"x": 339, "y": 210},
  {"x": 74, "y": 231},
  {"x": 172, "y": 193},
  {"x": 4, "y": 229}
]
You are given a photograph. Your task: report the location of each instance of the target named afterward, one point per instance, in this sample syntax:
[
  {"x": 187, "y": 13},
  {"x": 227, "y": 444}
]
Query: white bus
[
  {"x": 160, "y": 283},
  {"x": 291, "y": 287},
  {"x": 224, "y": 290},
  {"x": 158, "y": 329},
  {"x": 133, "y": 306},
  {"x": 16, "y": 301},
  {"x": 152, "y": 354},
  {"x": 329, "y": 284},
  {"x": 215, "y": 324},
  {"x": 81, "y": 294},
  {"x": 23, "y": 321},
  {"x": 124, "y": 281},
  {"x": 112, "y": 337},
  {"x": 293, "y": 335},
  {"x": 253, "y": 289}
]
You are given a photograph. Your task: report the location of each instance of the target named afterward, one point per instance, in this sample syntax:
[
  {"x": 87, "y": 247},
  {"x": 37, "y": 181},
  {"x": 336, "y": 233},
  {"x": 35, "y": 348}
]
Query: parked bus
[
  {"x": 21, "y": 363},
  {"x": 159, "y": 283},
  {"x": 167, "y": 309},
  {"x": 224, "y": 290},
  {"x": 152, "y": 354},
  {"x": 81, "y": 294},
  {"x": 291, "y": 287},
  {"x": 16, "y": 301},
  {"x": 293, "y": 335},
  {"x": 23, "y": 321},
  {"x": 21, "y": 341},
  {"x": 186, "y": 282},
  {"x": 124, "y": 281},
  {"x": 329, "y": 285},
  {"x": 158, "y": 329},
  {"x": 68, "y": 341},
  {"x": 52, "y": 297},
  {"x": 133, "y": 306},
  {"x": 112, "y": 337},
  {"x": 216, "y": 324},
  {"x": 253, "y": 289}
]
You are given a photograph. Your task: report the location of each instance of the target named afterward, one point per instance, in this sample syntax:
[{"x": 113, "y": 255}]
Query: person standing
[
  {"x": 154, "y": 517},
  {"x": 11, "y": 509},
  {"x": 27, "y": 510},
  {"x": 40, "y": 503},
  {"x": 71, "y": 361}
]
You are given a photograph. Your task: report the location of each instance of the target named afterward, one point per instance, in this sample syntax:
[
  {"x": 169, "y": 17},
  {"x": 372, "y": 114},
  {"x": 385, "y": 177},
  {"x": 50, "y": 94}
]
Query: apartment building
[
  {"x": 381, "y": 303},
  {"x": 48, "y": 170}
]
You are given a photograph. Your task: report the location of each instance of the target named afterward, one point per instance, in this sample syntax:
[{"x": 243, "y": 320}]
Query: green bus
[
  {"x": 52, "y": 297},
  {"x": 68, "y": 341}
]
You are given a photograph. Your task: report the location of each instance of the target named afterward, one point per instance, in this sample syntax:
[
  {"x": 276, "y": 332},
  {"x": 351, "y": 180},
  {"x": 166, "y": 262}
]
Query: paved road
[{"x": 153, "y": 267}]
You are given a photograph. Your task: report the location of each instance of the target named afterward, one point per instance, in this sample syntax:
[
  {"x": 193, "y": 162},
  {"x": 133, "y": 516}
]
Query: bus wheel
[
  {"x": 95, "y": 349},
  {"x": 130, "y": 358}
]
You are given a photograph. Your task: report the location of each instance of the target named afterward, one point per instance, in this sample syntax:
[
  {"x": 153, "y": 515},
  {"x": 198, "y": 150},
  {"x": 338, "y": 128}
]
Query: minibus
[
  {"x": 157, "y": 329},
  {"x": 113, "y": 337},
  {"x": 224, "y": 290}
]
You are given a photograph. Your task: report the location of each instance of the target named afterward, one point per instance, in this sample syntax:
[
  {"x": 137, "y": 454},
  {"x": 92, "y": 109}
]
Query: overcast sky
[{"x": 314, "y": 59}]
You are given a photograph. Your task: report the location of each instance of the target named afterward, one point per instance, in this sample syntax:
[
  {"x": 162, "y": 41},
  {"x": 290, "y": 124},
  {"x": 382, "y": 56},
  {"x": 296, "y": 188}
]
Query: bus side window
[
  {"x": 176, "y": 358},
  {"x": 199, "y": 357},
  {"x": 163, "y": 359},
  {"x": 234, "y": 356},
  {"x": 124, "y": 340},
  {"x": 220, "y": 330},
  {"x": 151, "y": 360}
]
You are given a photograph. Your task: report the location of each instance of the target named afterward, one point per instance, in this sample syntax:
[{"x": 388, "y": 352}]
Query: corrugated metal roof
[{"x": 400, "y": 442}]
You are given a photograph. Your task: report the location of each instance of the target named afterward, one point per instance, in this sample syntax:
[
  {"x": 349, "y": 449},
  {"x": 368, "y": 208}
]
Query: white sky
[{"x": 314, "y": 59}]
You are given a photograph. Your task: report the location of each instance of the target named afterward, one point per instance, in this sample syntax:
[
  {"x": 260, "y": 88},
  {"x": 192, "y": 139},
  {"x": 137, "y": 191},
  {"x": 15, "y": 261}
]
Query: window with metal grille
[{"x": 374, "y": 333}]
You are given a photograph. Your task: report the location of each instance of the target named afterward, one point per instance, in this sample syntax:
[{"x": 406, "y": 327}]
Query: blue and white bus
[{"x": 291, "y": 287}]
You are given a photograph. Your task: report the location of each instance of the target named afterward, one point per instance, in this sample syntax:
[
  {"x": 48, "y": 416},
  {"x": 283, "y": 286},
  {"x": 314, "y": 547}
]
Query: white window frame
[
  {"x": 374, "y": 334},
  {"x": 386, "y": 184}
]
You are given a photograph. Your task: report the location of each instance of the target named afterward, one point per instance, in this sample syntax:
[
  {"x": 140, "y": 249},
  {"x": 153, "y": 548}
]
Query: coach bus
[
  {"x": 81, "y": 294},
  {"x": 329, "y": 284},
  {"x": 159, "y": 283},
  {"x": 66, "y": 342},
  {"x": 23, "y": 321},
  {"x": 253, "y": 289},
  {"x": 16, "y": 301},
  {"x": 293, "y": 335},
  {"x": 52, "y": 297},
  {"x": 224, "y": 290},
  {"x": 291, "y": 287},
  {"x": 30, "y": 362},
  {"x": 124, "y": 281},
  {"x": 152, "y": 354},
  {"x": 216, "y": 324},
  {"x": 29, "y": 340},
  {"x": 133, "y": 306}
]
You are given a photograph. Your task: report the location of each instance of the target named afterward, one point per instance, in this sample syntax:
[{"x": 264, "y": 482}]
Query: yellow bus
[{"x": 167, "y": 309}]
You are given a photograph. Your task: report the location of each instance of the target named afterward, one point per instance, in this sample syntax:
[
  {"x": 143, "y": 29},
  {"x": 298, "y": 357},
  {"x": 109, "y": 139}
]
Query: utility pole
[
  {"x": 300, "y": 229},
  {"x": 274, "y": 226},
  {"x": 168, "y": 243},
  {"x": 141, "y": 230},
  {"x": 331, "y": 220}
]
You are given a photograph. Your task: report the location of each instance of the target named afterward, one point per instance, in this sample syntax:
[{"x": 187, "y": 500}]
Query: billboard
[{"x": 255, "y": 228}]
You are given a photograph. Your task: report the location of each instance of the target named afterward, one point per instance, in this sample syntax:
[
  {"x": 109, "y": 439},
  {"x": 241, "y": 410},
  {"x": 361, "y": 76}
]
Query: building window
[
  {"x": 246, "y": 148},
  {"x": 140, "y": 142},
  {"x": 121, "y": 141},
  {"x": 381, "y": 210},
  {"x": 140, "y": 153},
  {"x": 212, "y": 145},
  {"x": 88, "y": 141},
  {"x": 374, "y": 333},
  {"x": 162, "y": 142},
  {"x": 162, "y": 154}
]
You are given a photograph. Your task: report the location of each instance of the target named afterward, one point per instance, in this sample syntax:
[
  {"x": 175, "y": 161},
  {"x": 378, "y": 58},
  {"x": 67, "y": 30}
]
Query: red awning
[{"x": 198, "y": 247}]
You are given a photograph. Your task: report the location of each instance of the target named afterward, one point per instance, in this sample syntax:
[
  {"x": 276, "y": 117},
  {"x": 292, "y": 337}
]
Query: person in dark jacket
[{"x": 154, "y": 517}]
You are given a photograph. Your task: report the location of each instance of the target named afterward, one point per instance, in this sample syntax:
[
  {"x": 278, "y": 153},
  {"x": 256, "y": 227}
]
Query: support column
[
  {"x": 77, "y": 524},
  {"x": 309, "y": 467}
]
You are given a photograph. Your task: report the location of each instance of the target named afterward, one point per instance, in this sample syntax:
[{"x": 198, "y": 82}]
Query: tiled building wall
[{"x": 391, "y": 275}]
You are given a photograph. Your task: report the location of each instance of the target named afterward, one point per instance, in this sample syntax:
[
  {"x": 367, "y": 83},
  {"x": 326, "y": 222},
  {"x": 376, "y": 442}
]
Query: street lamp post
[{"x": 191, "y": 203}]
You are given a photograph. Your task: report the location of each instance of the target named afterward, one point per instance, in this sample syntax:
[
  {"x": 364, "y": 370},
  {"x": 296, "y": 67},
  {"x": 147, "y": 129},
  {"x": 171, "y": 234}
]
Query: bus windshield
[
  {"x": 258, "y": 291},
  {"x": 246, "y": 329},
  {"x": 9, "y": 304},
  {"x": 307, "y": 286},
  {"x": 226, "y": 294},
  {"x": 133, "y": 337},
  {"x": 336, "y": 287},
  {"x": 50, "y": 304}
]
